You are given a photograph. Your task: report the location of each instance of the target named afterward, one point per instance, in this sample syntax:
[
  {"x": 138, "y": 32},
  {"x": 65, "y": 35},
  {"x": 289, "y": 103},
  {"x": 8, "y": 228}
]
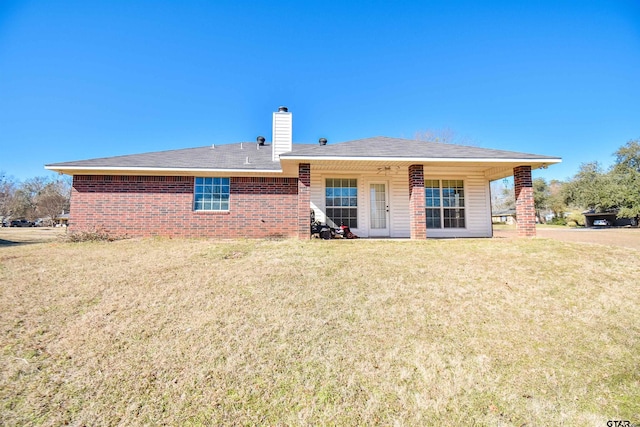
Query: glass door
[{"x": 378, "y": 209}]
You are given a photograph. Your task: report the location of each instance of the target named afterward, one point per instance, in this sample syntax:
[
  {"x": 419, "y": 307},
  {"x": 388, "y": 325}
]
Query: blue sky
[{"x": 85, "y": 79}]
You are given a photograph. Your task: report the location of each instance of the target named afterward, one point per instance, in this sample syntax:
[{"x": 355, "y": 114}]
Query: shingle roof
[
  {"x": 382, "y": 146},
  {"x": 249, "y": 156},
  {"x": 245, "y": 155}
]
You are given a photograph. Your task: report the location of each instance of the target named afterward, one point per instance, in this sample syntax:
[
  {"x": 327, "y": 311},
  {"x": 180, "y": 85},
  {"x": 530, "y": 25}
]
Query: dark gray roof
[
  {"x": 382, "y": 146},
  {"x": 245, "y": 155},
  {"x": 504, "y": 212},
  {"x": 249, "y": 156}
]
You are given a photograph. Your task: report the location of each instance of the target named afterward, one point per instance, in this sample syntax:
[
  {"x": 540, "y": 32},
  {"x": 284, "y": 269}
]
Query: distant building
[
  {"x": 507, "y": 216},
  {"x": 599, "y": 219},
  {"x": 61, "y": 220}
]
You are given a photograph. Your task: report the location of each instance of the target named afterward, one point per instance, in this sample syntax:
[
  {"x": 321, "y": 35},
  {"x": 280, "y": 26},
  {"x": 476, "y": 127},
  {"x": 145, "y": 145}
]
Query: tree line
[
  {"x": 592, "y": 188},
  {"x": 36, "y": 198}
]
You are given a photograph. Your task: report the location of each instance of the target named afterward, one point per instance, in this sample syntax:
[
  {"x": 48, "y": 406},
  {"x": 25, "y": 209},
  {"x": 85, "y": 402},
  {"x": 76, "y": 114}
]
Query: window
[
  {"x": 342, "y": 202},
  {"x": 211, "y": 194},
  {"x": 444, "y": 202},
  {"x": 432, "y": 199}
]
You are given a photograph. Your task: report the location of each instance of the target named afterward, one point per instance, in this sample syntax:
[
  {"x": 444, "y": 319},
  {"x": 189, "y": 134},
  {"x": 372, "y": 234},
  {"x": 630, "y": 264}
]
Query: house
[
  {"x": 379, "y": 187},
  {"x": 507, "y": 216},
  {"x": 61, "y": 220}
]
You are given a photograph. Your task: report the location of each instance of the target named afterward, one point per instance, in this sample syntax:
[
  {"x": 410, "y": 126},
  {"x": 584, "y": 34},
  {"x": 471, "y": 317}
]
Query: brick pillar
[
  {"x": 304, "y": 201},
  {"x": 525, "y": 208},
  {"x": 417, "y": 215}
]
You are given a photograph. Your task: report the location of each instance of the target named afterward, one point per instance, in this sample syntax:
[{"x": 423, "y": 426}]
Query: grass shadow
[
  {"x": 4, "y": 242},
  {"x": 23, "y": 236}
]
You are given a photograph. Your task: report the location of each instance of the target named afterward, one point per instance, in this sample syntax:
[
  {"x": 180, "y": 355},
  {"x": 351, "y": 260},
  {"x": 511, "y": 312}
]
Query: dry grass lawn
[
  {"x": 198, "y": 332},
  {"x": 621, "y": 237}
]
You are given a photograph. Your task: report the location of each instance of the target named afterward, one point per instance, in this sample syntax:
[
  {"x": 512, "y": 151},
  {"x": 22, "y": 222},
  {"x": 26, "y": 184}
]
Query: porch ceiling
[{"x": 491, "y": 169}]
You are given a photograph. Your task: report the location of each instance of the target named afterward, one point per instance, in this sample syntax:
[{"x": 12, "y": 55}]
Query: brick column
[
  {"x": 417, "y": 215},
  {"x": 525, "y": 208},
  {"x": 304, "y": 201}
]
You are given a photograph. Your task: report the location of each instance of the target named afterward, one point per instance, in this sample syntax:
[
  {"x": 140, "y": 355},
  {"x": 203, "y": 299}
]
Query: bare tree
[
  {"x": 541, "y": 194},
  {"x": 556, "y": 198},
  {"x": 502, "y": 196},
  {"x": 7, "y": 192},
  {"x": 23, "y": 204},
  {"x": 52, "y": 200},
  {"x": 40, "y": 197},
  {"x": 443, "y": 136}
]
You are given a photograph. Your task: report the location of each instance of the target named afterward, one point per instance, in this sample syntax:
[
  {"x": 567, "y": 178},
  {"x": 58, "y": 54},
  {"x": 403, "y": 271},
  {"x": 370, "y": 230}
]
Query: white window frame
[
  {"x": 351, "y": 198},
  {"x": 459, "y": 206}
]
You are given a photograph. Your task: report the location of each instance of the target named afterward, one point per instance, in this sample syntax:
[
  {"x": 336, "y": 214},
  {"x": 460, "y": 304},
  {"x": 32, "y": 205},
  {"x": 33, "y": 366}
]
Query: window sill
[{"x": 212, "y": 212}]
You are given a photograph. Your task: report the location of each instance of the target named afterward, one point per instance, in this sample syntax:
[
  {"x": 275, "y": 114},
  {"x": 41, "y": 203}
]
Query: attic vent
[
  {"x": 283, "y": 109},
  {"x": 323, "y": 141},
  {"x": 260, "y": 140}
]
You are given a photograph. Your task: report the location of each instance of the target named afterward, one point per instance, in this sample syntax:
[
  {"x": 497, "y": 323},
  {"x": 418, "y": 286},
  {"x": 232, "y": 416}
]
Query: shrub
[
  {"x": 95, "y": 235},
  {"x": 558, "y": 221},
  {"x": 575, "y": 217}
]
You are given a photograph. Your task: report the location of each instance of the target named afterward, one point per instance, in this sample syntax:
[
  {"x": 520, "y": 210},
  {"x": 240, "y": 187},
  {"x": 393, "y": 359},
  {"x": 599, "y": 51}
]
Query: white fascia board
[
  {"x": 425, "y": 159},
  {"x": 143, "y": 169}
]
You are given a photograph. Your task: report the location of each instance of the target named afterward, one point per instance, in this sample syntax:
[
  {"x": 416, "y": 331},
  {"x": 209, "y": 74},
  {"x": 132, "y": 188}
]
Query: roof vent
[
  {"x": 323, "y": 141},
  {"x": 283, "y": 109},
  {"x": 260, "y": 140}
]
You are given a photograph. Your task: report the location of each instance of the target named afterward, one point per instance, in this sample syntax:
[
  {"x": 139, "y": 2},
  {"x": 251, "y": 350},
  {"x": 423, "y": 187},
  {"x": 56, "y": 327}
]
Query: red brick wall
[
  {"x": 417, "y": 214},
  {"x": 142, "y": 206},
  {"x": 525, "y": 208}
]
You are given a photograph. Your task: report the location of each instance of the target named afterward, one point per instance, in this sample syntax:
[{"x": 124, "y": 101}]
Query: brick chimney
[{"x": 282, "y": 138}]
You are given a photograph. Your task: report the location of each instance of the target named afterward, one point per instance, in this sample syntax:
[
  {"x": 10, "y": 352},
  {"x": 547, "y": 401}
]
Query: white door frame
[{"x": 379, "y": 232}]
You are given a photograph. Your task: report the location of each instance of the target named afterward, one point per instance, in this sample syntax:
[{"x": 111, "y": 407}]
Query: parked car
[
  {"x": 21, "y": 223},
  {"x": 601, "y": 223}
]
